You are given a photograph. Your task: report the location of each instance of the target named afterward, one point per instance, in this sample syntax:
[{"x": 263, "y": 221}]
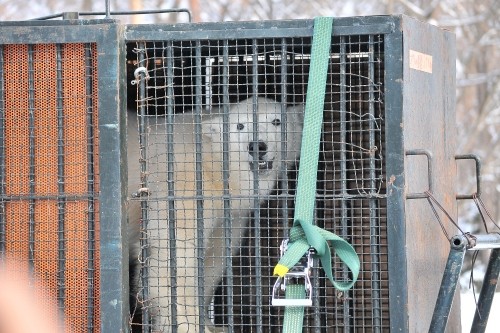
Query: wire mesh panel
[
  {"x": 49, "y": 173},
  {"x": 220, "y": 121}
]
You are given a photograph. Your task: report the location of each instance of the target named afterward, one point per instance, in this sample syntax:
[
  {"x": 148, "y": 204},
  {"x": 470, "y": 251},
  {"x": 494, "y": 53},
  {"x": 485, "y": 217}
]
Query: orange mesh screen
[
  {"x": 16, "y": 149},
  {"x": 49, "y": 208}
]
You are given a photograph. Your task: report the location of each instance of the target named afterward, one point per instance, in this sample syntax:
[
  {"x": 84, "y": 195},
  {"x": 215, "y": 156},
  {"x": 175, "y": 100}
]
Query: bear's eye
[
  {"x": 240, "y": 126},
  {"x": 276, "y": 122}
]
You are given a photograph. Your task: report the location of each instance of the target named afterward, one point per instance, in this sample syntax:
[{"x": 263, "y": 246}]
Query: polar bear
[{"x": 211, "y": 187}]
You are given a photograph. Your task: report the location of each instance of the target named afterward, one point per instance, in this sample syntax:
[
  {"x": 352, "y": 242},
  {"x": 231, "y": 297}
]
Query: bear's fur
[{"x": 254, "y": 158}]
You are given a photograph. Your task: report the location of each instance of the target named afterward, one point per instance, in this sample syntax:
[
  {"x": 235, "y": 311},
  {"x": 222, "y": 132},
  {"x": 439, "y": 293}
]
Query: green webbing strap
[
  {"x": 294, "y": 315},
  {"x": 303, "y": 234}
]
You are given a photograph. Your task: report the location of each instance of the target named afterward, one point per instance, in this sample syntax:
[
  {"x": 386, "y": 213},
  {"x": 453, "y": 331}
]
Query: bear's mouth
[
  {"x": 262, "y": 165},
  {"x": 258, "y": 151},
  {"x": 265, "y": 165}
]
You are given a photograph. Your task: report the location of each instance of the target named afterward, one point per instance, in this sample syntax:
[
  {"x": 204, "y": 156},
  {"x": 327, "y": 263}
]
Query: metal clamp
[
  {"x": 299, "y": 274},
  {"x": 478, "y": 175},
  {"x": 139, "y": 74},
  {"x": 142, "y": 192}
]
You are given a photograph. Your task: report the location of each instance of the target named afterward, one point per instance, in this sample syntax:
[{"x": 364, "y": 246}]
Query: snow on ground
[{"x": 468, "y": 306}]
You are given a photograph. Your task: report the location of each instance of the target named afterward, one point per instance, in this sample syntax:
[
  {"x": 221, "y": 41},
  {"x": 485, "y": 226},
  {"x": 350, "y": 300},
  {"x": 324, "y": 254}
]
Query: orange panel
[
  {"x": 75, "y": 182},
  {"x": 46, "y": 211},
  {"x": 45, "y": 207},
  {"x": 16, "y": 149}
]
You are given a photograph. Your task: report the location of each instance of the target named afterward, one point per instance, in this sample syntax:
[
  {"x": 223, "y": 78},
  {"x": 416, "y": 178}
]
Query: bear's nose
[{"x": 257, "y": 149}]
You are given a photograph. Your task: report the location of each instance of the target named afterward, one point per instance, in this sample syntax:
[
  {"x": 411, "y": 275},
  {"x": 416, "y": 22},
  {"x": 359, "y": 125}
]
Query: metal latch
[{"x": 299, "y": 274}]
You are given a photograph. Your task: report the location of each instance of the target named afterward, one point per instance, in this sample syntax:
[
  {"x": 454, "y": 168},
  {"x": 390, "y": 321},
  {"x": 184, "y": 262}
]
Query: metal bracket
[
  {"x": 428, "y": 154},
  {"x": 478, "y": 175},
  {"x": 299, "y": 274}
]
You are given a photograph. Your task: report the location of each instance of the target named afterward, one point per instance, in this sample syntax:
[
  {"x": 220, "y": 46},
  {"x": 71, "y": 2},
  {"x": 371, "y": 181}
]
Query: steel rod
[
  {"x": 225, "y": 178},
  {"x": 200, "y": 223},
  {"x": 484, "y": 241},
  {"x": 89, "y": 74},
  {"x": 143, "y": 145},
  {"x": 373, "y": 203},
  {"x": 256, "y": 215},
  {"x": 171, "y": 184},
  {"x": 448, "y": 284},
  {"x": 32, "y": 152},
  {"x": 343, "y": 168},
  {"x": 61, "y": 200},
  {"x": 487, "y": 293}
]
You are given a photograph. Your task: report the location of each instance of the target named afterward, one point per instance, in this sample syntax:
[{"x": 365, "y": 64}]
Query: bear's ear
[{"x": 211, "y": 128}]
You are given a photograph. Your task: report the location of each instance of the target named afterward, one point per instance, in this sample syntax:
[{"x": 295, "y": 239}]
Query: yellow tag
[{"x": 280, "y": 270}]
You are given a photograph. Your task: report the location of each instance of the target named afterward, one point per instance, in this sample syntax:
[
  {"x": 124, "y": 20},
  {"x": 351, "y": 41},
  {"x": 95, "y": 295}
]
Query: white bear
[{"x": 238, "y": 175}]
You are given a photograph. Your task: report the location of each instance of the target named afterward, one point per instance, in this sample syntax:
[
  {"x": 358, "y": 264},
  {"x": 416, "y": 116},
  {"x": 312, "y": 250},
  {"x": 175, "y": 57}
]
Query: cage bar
[{"x": 2, "y": 155}]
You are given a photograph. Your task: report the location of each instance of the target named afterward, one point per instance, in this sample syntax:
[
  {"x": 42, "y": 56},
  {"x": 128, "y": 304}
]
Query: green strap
[
  {"x": 294, "y": 315},
  {"x": 304, "y": 234}
]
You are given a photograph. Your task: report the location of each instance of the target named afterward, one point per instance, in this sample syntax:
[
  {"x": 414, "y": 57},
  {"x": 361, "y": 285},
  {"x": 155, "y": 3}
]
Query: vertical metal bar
[
  {"x": 2, "y": 155},
  {"x": 170, "y": 185},
  {"x": 373, "y": 202},
  {"x": 225, "y": 178},
  {"x": 283, "y": 177},
  {"x": 113, "y": 263},
  {"x": 200, "y": 225},
  {"x": 448, "y": 284},
  {"x": 487, "y": 293},
  {"x": 61, "y": 201},
  {"x": 284, "y": 163},
  {"x": 31, "y": 111},
  {"x": 107, "y": 9},
  {"x": 395, "y": 179},
  {"x": 143, "y": 145},
  {"x": 256, "y": 215},
  {"x": 343, "y": 166},
  {"x": 89, "y": 74}
]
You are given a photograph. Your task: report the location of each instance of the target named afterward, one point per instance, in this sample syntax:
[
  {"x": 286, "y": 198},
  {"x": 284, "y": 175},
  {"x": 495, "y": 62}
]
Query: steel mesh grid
[
  {"x": 49, "y": 177},
  {"x": 200, "y": 75}
]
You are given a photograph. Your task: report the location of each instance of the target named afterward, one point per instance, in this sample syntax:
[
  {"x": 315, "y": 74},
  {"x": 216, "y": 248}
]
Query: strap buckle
[{"x": 298, "y": 274}]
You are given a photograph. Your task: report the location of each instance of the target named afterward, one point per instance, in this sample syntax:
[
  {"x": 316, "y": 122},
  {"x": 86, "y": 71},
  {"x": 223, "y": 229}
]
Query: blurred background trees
[{"x": 475, "y": 23}]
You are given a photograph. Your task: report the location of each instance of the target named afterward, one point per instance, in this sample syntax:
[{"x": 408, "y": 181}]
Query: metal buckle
[{"x": 301, "y": 271}]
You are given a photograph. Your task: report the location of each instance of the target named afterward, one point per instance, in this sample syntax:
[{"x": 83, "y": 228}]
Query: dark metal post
[
  {"x": 487, "y": 293},
  {"x": 448, "y": 284}
]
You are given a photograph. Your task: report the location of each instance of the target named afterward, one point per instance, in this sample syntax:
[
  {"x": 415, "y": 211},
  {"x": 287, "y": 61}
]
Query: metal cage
[
  {"x": 369, "y": 127},
  {"x": 64, "y": 198}
]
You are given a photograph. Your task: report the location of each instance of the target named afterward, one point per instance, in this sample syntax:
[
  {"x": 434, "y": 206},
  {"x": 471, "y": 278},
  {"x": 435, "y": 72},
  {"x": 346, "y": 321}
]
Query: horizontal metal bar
[
  {"x": 262, "y": 29},
  {"x": 117, "y": 13},
  {"x": 283, "y": 197},
  {"x": 66, "y": 197},
  {"x": 484, "y": 242},
  {"x": 40, "y": 32}
]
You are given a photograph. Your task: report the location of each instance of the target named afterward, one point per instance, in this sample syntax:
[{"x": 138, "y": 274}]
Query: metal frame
[{"x": 107, "y": 36}]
